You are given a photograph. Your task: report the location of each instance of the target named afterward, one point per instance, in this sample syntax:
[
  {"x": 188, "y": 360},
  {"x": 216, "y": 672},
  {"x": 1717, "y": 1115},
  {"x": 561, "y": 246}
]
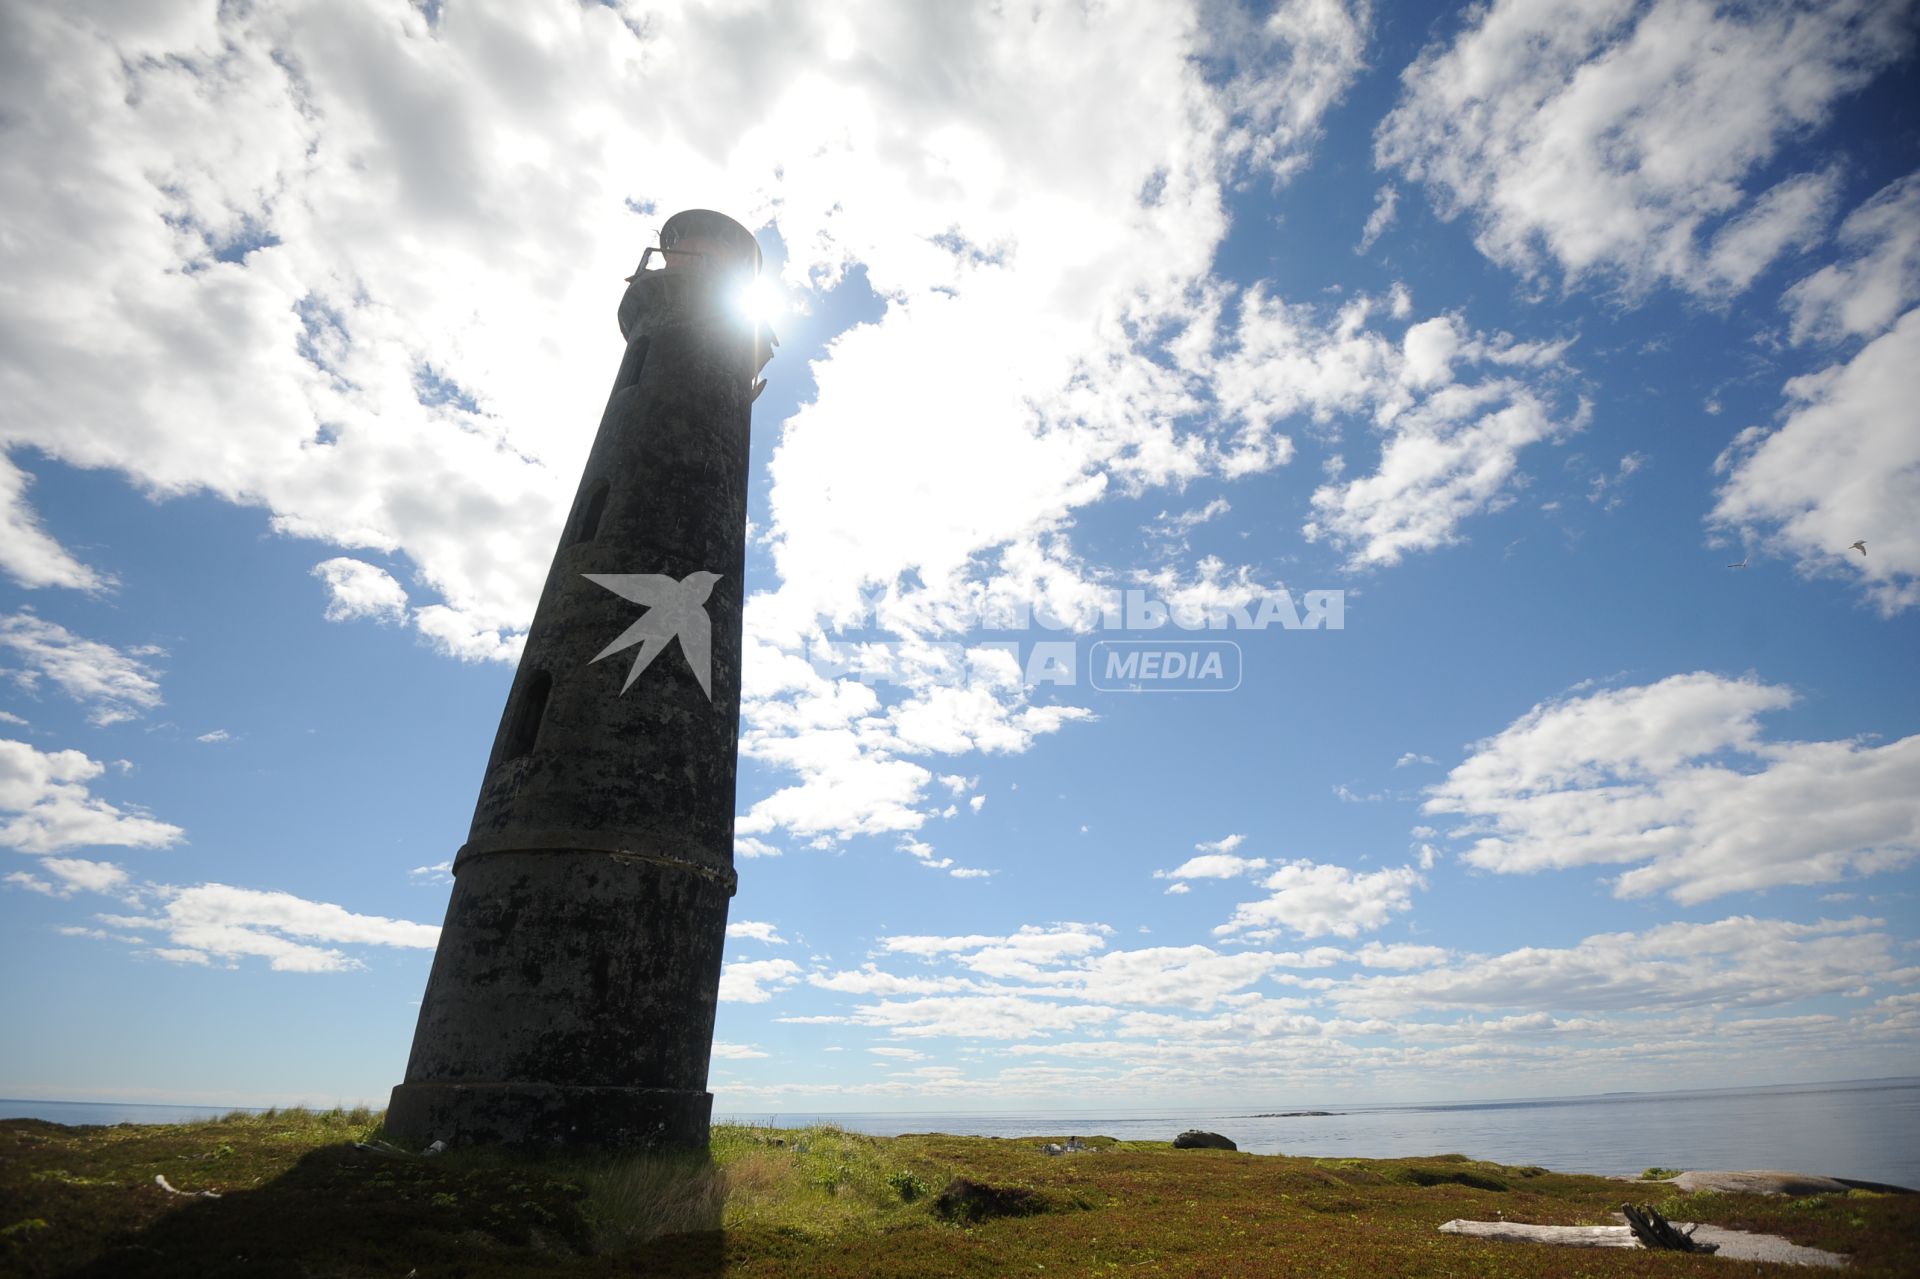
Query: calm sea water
[{"x": 1868, "y": 1129}]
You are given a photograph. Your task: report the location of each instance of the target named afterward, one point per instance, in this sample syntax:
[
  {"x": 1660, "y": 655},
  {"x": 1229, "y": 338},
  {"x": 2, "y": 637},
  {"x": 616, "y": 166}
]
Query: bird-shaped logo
[{"x": 675, "y": 610}]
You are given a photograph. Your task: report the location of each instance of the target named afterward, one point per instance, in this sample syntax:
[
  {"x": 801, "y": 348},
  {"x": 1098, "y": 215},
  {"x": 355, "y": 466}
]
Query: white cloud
[
  {"x": 381, "y": 254},
  {"x": 725, "y": 1051},
  {"x": 1452, "y": 457},
  {"x": 1022, "y": 954},
  {"x": 1862, "y": 295},
  {"x": 453, "y": 634},
  {"x": 1449, "y": 447},
  {"x": 32, "y": 883},
  {"x": 1385, "y": 201},
  {"x": 76, "y": 874},
  {"x": 1844, "y": 466},
  {"x": 1314, "y": 899},
  {"x": 114, "y": 684},
  {"x": 756, "y": 981},
  {"x": 1412, "y": 758},
  {"x": 1736, "y": 962},
  {"x": 1676, "y": 780},
  {"x": 1213, "y": 866},
  {"x": 215, "y": 737},
  {"x": 970, "y": 872},
  {"x": 1178, "y": 888},
  {"x": 1287, "y": 69},
  {"x": 438, "y": 873},
  {"x": 218, "y": 922},
  {"x": 744, "y": 846},
  {"x": 1399, "y": 955},
  {"x": 46, "y": 807},
  {"x": 979, "y": 1016},
  {"x": 357, "y": 589},
  {"x": 1225, "y": 844},
  {"x": 1618, "y": 141},
  {"x": 28, "y": 553},
  {"x": 756, "y": 930}
]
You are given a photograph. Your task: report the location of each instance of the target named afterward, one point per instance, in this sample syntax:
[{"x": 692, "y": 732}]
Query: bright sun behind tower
[{"x": 760, "y": 300}]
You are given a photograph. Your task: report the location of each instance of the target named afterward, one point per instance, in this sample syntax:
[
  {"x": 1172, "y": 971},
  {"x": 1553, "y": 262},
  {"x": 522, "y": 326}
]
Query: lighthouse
[{"x": 572, "y": 996}]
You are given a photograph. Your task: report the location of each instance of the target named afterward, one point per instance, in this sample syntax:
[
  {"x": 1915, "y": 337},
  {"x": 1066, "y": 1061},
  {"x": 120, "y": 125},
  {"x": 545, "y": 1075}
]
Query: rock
[
  {"x": 1195, "y": 1139},
  {"x": 1769, "y": 1181}
]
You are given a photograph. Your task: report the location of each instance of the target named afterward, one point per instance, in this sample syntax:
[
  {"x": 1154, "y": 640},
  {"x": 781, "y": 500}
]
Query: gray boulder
[{"x": 1194, "y": 1139}]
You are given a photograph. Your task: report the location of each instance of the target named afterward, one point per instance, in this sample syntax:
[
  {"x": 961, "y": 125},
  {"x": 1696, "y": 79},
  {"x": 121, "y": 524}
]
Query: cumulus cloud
[
  {"x": 1843, "y": 466},
  {"x": 1623, "y": 142},
  {"x": 357, "y": 589},
  {"x": 1213, "y": 866},
  {"x": 1314, "y": 899},
  {"x": 1678, "y": 781},
  {"x": 46, "y": 806},
  {"x": 219, "y": 923},
  {"x": 756, "y": 981},
  {"x": 1449, "y": 441},
  {"x": 114, "y": 684},
  {"x": 756, "y": 930},
  {"x": 1862, "y": 294}
]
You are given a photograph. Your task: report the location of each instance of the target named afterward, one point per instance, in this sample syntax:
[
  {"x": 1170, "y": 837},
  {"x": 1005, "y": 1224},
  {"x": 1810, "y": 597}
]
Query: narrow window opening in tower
[
  {"x": 527, "y": 714},
  {"x": 630, "y": 366},
  {"x": 595, "y": 505}
]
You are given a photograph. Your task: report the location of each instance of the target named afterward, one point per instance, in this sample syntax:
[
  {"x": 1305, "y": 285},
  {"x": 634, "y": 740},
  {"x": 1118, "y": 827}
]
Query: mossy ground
[{"x": 299, "y": 1200}]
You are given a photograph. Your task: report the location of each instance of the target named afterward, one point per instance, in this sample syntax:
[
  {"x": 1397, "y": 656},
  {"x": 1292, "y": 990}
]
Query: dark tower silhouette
[{"x": 572, "y": 995}]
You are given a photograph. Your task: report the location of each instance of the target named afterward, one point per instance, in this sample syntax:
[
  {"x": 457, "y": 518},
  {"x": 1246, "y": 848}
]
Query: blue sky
[{"x": 1513, "y": 326}]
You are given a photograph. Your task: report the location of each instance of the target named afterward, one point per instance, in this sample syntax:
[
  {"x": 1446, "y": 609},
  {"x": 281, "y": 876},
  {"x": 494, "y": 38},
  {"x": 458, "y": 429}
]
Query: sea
[{"x": 1865, "y": 1129}]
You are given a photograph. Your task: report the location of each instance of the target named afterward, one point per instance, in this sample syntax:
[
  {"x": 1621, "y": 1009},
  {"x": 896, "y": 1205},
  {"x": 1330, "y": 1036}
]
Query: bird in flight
[
  {"x": 1860, "y": 546},
  {"x": 675, "y": 610},
  {"x": 1743, "y": 561}
]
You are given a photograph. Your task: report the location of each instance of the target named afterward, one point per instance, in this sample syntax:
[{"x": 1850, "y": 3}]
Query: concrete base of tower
[{"x": 548, "y": 1115}]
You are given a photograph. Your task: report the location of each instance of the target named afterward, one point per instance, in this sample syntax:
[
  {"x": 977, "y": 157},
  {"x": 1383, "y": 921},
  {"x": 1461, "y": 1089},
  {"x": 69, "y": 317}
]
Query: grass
[{"x": 299, "y": 1199}]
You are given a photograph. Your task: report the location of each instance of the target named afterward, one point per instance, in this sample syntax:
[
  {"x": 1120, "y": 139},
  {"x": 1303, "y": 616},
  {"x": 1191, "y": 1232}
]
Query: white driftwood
[
  {"x": 160, "y": 1180},
  {"x": 1570, "y": 1236},
  {"x": 1733, "y": 1245}
]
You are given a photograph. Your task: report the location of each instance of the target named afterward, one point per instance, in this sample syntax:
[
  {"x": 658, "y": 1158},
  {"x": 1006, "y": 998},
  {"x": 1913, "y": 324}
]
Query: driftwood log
[{"x": 1655, "y": 1231}]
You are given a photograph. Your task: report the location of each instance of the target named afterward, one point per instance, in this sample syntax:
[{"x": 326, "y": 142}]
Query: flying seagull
[
  {"x": 1743, "y": 561},
  {"x": 675, "y": 610},
  {"x": 1860, "y": 546}
]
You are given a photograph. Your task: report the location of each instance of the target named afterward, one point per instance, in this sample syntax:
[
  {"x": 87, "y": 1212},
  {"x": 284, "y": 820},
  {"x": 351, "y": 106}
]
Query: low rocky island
[
  {"x": 1296, "y": 1114},
  {"x": 299, "y": 1193}
]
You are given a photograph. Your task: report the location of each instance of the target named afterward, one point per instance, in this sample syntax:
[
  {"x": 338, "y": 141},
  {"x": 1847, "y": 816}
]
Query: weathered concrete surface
[
  {"x": 572, "y": 995},
  {"x": 1734, "y": 1245}
]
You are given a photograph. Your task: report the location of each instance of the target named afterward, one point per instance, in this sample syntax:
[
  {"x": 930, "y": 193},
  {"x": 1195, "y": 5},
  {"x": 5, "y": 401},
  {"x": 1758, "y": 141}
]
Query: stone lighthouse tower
[{"x": 572, "y": 995}]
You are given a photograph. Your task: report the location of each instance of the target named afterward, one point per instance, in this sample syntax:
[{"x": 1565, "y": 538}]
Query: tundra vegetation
[{"x": 297, "y": 1196}]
